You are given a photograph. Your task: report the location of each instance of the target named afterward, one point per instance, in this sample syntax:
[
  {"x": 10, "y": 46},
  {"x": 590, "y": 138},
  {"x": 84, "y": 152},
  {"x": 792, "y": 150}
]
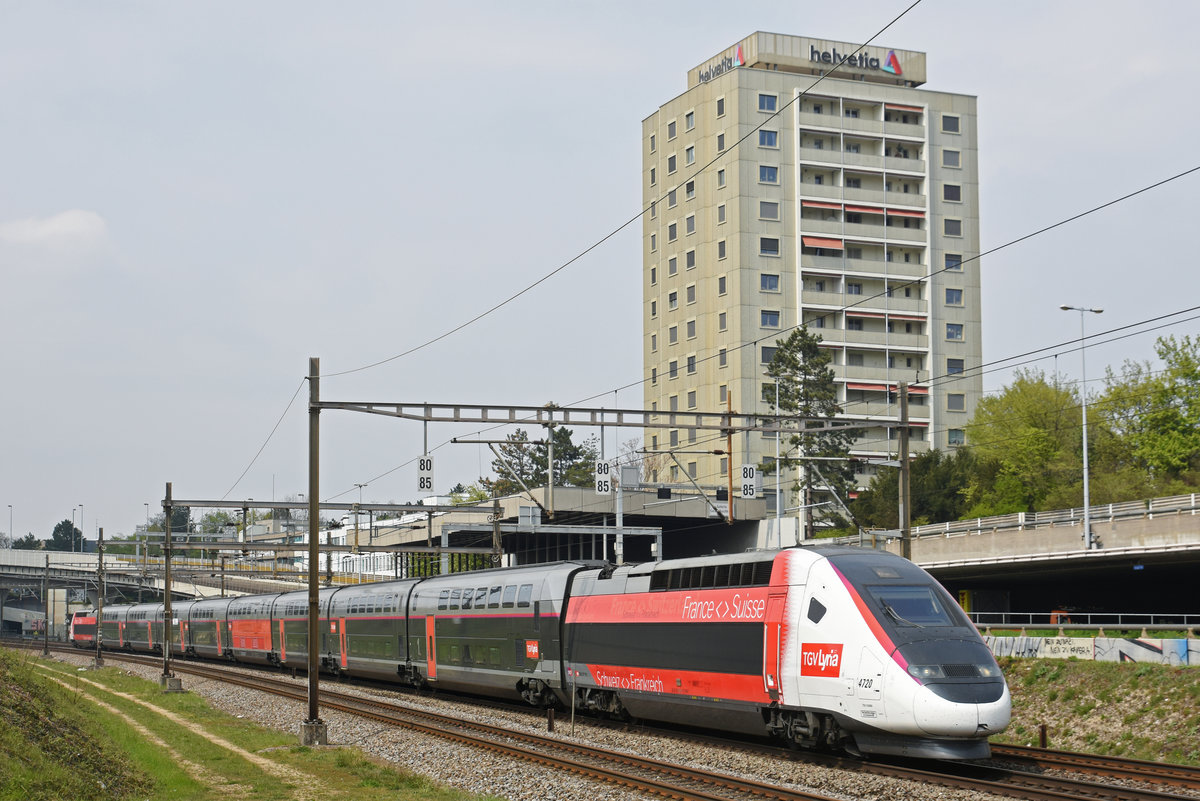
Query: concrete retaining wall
[{"x": 1102, "y": 649}]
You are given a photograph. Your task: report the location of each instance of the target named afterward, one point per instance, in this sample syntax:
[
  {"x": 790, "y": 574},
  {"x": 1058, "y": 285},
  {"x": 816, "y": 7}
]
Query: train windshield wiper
[{"x": 894, "y": 615}]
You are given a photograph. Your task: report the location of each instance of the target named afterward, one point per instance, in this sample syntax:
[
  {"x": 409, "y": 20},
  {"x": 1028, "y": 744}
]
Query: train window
[
  {"x": 467, "y": 595},
  {"x": 494, "y": 597},
  {"x": 443, "y": 597},
  {"x": 721, "y": 578},
  {"x": 524, "y": 595},
  {"x": 480, "y": 595},
  {"x": 454, "y": 596},
  {"x": 912, "y": 606},
  {"x": 883, "y": 571},
  {"x": 816, "y": 610},
  {"x": 510, "y": 595}
]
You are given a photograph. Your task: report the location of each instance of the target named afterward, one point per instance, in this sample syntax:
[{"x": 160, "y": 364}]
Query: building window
[
  {"x": 691, "y": 329},
  {"x": 654, "y": 308},
  {"x": 671, "y": 129},
  {"x": 768, "y": 353},
  {"x": 956, "y": 402},
  {"x": 767, "y": 102},
  {"x": 720, "y": 143},
  {"x": 689, "y": 155},
  {"x": 689, "y": 260},
  {"x": 768, "y": 138},
  {"x": 720, "y": 214},
  {"x": 721, "y": 249},
  {"x": 689, "y": 121},
  {"x": 854, "y": 360},
  {"x": 953, "y": 261},
  {"x": 954, "y": 297},
  {"x": 672, "y": 335},
  {"x": 722, "y": 358},
  {"x": 952, "y": 227},
  {"x": 653, "y": 343},
  {"x": 673, "y": 403},
  {"x": 770, "y": 319},
  {"x": 674, "y": 440},
  {"x": 692, "y": 469},
  {"x": 816, "y": 322},
  {"x": 955, "y": 366},
  {"x": 950, "y": 123},
  {"x": 689, "y": 190},
  {"x": 672, "y": 199},
  {"x": 854, "y": 324},
  {"x": 690, "y": 223},
  {"x": 672, "y": 265},
  {"x": 853, "y": 289},
  {"x": 691, "y": 293},
  {"x": 691, "y": 399},
  {"x": 691, "y": 365},
  {"x": 672, "y": 232},
  {"x": 673, "y": 369},
  {"x": 720, "y": 107},
  {"x": 951, "y": 158},
  {"x": 724, "y": 465},
  {"x": 653, "y": 276},
  {"x": 653, "y": 375},
  {"x": 653, "y": 179},
  {"x": 768, "y": 210},
  {"x": 720, "y": 179},
  {"x": 721, "y": 321},
  {"x": 653, "y": 209},
  {"x": 768, "y": 246},
  {"x": 954, "y": 332},
  {"x": 673, "y": 301},
  {"x": 651, "y": 143},
  {"x": 956, "y": 436},
  {"x": 768, "y": 282},
  {"x": 671, "y": 163},
  {"x": 653, "y": 242},
  {"x": 768, "y": 174},
  {"x": 952, "y": 193}
]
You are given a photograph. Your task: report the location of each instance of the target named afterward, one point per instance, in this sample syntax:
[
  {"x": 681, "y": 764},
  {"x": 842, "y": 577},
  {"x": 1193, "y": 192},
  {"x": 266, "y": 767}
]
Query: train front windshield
[{"x": 915, "y": 605}]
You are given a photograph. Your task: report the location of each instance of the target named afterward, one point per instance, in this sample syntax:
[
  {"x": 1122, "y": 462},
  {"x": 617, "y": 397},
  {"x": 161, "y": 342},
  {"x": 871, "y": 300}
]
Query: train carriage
[
  {"x": 493, "y": 631},
  {"x": 250, "y": 628},
  {"x": 82, "y": 630},
  {"x": 179, "y": 625},
  {"x": 142, "y": 628},
  {"x": 112, "y": 626},
  {"x": 208, "y": 629},
  {"x": 289, "y": 625},
  {"x": 368, "y": 629}
]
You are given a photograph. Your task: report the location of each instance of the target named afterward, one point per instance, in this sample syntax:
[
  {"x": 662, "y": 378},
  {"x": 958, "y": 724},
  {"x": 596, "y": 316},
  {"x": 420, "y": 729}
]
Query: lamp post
[
  {"x": 1087, "y": 516},
  {"x": 10, "y": 531},
  {"x": 778, "y": 471},
  {"x": 80, "y": 531}
]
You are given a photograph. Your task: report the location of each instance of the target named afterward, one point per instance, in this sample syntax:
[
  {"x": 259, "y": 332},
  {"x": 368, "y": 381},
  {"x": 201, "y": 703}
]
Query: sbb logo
[{"x": 821, "y": 659}]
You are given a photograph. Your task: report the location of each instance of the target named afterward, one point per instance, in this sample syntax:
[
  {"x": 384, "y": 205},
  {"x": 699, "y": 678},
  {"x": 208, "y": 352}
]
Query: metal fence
[{"x": 1159, "y": 621}]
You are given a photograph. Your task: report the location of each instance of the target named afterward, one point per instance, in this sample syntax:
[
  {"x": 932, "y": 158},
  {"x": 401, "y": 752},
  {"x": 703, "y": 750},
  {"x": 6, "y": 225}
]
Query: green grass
[
  {"x": 1144, "y": 711},
  {"x": 65, "y": 747}
]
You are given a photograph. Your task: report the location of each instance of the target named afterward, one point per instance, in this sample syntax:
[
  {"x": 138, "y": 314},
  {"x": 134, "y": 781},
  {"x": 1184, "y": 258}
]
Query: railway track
[{"x": 1025, "y": 781}]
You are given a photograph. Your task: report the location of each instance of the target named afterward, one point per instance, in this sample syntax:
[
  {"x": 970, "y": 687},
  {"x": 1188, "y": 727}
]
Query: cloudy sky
[{"x": 196, "y": 197}]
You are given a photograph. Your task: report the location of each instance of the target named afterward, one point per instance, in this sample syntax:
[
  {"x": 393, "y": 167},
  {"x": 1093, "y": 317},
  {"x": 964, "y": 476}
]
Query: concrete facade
[{"x": 850, "y": 206}]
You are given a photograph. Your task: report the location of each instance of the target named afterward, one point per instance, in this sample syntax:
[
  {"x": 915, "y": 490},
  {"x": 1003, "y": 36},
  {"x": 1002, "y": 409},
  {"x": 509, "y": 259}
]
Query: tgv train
[{"x": 839, "y": 648}]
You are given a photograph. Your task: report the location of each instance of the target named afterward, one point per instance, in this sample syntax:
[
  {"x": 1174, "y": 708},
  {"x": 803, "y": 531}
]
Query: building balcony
[
  {"x": 873, "y": 339},
  {"x": 852, "y": 194},
  {"x": 874, "y": 267},
  {"x": 904, "y": 165},
  {"x": 835, "y": 123},
  {"x": 896, "y": 233},
  {"x": 884, "y": 409},
  {"x": 866, "y": 302},
  {"x": 904, "y": 129}
]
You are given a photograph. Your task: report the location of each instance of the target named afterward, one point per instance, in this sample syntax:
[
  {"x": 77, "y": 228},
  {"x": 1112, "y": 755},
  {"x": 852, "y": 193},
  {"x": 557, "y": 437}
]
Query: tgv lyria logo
[{"x": 892, "y": 64}]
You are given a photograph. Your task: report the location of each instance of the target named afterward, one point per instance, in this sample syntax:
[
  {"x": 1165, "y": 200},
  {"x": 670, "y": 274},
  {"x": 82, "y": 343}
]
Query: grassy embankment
[
  {"x": 1128, "y": 709},
  {"x": 59, "y": 743}
]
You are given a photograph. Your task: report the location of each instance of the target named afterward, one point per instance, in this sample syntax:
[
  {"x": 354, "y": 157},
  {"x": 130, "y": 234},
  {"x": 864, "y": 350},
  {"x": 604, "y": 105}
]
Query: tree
[
  {"x": 1156, "y": 414},
  {"x": 27, "y": 543},
  {"x": 573, "y": 462},
  {"x": 937, "y": 492},
  {"x": 66, "y": 537},
  {"x": 806, "y": 390},
  {"x": 466, "y": 496}
]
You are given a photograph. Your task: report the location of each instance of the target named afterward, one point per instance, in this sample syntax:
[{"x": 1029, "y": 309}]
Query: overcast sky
[{"x": 197, "y": 197}]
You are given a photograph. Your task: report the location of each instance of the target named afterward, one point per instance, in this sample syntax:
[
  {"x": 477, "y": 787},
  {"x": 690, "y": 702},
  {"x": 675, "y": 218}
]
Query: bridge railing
[{"x": 1161, "y": 621}]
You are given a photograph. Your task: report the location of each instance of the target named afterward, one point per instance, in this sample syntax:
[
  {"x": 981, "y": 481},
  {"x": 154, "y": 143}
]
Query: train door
[
  {"x": 282, "y": 643},
  {"x": 773, "y": 641},
  {"x": 342, "y": 639},
  {"x": 121, "y": 633},
  {"x": 430, "y": 651}
]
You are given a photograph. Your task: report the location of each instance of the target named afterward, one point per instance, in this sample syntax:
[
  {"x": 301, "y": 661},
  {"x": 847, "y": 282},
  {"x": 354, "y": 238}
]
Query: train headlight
[
  {"x": 988, "y": 671},
  {"x": 927, "y": 671}
]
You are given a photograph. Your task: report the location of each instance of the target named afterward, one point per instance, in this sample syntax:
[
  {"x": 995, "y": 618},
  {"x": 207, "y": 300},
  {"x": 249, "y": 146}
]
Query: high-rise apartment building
[{"x": 784, "y": 189}]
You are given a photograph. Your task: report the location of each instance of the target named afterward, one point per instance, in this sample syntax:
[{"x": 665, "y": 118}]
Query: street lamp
[
  {"x": 778, "y": 470},
  {"x": 10, "y": 531},
  {"x": 80, "y": 531},
  {"x": 1087, "y": 517}
]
